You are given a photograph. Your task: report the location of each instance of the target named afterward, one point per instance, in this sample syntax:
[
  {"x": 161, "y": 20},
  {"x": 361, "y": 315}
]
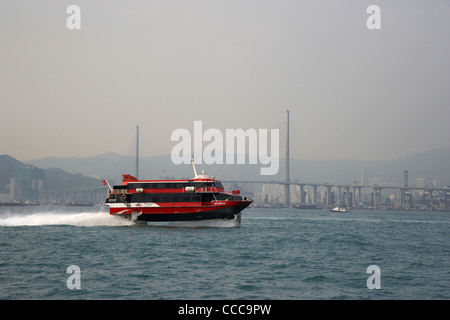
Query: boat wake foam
[
  {"x": 88, "y": 219},
  {"x": 92, "y": 219}
]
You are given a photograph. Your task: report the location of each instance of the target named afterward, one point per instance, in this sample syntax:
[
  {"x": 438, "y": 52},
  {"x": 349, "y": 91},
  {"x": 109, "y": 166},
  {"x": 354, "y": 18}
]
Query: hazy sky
[{"x": 353, "y": 93}]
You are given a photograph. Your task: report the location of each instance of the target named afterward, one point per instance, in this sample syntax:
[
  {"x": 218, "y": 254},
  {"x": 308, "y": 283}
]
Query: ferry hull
[{"x": 182, "y": 213}]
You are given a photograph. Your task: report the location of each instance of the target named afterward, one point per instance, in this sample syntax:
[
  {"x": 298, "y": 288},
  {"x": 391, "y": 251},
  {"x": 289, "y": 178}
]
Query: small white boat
[{"x": 339, "y": 209}]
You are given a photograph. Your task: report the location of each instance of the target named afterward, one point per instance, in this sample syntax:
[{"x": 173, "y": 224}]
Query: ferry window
[
  {"x": 139, "y": 197},
  {"x": 120, "y": 189},
  {"x": 196, "y": 198},
  {"x": 218, "y": 184},
  {"x": 156, "y": 199}
]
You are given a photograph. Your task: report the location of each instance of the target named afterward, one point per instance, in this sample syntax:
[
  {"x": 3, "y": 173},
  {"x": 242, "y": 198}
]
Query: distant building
[
  {"x": 26, "y": 183},
  {"x": 420, "y": 184},
  {"x": 436, "y": 183},
  {"x": 365, "y": 177},
  {"x": 4, "y": 197}
]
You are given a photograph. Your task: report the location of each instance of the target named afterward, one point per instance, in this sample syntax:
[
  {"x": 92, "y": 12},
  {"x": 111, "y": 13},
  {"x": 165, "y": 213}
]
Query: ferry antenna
[{"x": 193, "y": 166}]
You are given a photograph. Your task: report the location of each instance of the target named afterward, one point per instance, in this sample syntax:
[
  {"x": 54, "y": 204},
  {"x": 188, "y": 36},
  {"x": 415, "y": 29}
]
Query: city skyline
[
  {"x": 353, "y": 93},
  {"x": 28, "y": 183}
]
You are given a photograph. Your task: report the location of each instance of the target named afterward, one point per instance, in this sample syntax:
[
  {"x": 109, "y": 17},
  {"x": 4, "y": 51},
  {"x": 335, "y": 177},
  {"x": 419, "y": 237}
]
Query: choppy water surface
[{"x": 275, "y": 254}]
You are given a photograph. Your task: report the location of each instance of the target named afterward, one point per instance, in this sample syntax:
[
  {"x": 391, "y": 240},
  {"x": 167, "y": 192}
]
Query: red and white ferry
[{"x": 200, "y": 198}]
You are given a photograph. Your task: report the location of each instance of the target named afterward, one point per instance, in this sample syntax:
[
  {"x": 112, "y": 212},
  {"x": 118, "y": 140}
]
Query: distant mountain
[
  {"x": 429, "y": 165},
  {"x": 55, "y": 179},
  {"x": 112, "y": 166},
  {"x": 7, "y": 165},
  {"x": 109, "y": 165}
]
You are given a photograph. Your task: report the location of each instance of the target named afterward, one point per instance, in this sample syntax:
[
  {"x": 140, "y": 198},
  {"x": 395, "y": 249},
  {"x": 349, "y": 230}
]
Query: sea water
[{"x": 274, "y": 254}]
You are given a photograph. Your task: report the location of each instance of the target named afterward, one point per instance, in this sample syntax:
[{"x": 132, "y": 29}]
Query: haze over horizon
[
  {"x": 353, "y": 93},
  {"x": 282, "y": 157}
]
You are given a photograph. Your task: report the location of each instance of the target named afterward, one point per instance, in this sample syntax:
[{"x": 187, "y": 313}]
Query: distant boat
[{"x": 339, "y": 209}]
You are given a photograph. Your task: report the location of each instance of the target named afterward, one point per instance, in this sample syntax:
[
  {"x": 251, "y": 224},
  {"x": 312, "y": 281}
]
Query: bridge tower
[{"x": 287, "y": 187}]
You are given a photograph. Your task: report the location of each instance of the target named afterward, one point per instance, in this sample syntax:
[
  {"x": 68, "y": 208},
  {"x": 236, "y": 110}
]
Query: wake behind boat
[{"x": 200, "y": 198}]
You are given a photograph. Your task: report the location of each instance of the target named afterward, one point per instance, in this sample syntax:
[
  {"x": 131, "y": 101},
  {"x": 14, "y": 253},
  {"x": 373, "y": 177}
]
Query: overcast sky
[{"x": 353, "y": 93}]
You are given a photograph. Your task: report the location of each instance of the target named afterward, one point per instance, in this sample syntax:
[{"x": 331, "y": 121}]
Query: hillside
[
  {"x": 7, "y": 165},
  {"x": 55, "y": 179}
]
